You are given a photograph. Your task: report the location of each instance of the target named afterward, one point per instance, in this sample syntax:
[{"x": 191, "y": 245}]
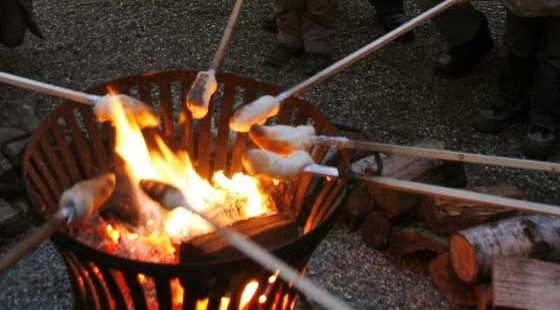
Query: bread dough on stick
[
  {"x": 266, "y": 163},
  {"x": 86, "y": 197},
  {"x": 256, "y": 112},
  {"x": 200, "y": 93},
  {"x": 282, "y": 139},
  {"x": 142, "y": 113}
]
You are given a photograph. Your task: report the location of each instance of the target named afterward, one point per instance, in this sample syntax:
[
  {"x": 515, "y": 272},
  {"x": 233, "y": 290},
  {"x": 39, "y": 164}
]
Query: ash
[{"x": 392, "y": 94}]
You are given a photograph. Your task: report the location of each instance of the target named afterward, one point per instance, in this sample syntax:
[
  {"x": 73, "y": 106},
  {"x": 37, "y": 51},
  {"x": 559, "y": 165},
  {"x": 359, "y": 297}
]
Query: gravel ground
[{"x": 393, "y": 95}]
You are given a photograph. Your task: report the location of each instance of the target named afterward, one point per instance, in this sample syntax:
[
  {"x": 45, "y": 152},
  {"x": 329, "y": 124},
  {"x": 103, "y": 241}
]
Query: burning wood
[{"x": 269, "y": 231}]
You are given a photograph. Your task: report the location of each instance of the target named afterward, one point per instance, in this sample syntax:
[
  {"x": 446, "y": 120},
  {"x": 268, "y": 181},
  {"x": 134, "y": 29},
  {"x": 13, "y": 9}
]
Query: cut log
[
  {"x": 407, "y": 240},
  {"x": 376, "y": 230},
  {"x": 526, "y": 284},
  {"x": 358, "y": 205},
  {"x": 483, "y": 297},
  {"x": 424, "y": 170},
  {"x": 445, "y": 216},
  {"x": 474, "y": 250},
  {"x": 443, "y": 277},
  {"x": 269, "y": 231}
]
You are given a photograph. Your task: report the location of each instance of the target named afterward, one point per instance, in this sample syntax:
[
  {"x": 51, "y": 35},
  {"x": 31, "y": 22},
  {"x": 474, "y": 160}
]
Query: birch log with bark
[{"x": 474, "y": 250}]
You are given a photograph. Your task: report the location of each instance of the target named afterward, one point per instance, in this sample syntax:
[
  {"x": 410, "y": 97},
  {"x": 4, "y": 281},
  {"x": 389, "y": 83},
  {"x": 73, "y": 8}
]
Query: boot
[
  {"x": 462, "y": 59},
  {"x": 281, "y": 54},
  {"x": 269, "y": 23},
  {"x": 393, "y": 21},
  {"x": 515, "y": 81},
  {"x": 542, "y": 140}
]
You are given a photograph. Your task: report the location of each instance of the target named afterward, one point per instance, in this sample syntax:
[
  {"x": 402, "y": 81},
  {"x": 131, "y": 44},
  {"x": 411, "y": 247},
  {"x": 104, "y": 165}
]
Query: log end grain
[
  {"x": 463, "y": 258},
  {"x": 443, "y": 277}
]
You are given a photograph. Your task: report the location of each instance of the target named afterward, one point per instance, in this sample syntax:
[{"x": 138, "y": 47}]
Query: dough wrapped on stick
[
  {"x": 265, "y": 163},
  {"x": 256, "y": 112},
  {"x": 77, "y": 203},
  {"x": 86, "y": 197},
  {"x": 282, "y": 139},
  {"x": 200, "y": 93},
  {"x": 144, "y": 115}
]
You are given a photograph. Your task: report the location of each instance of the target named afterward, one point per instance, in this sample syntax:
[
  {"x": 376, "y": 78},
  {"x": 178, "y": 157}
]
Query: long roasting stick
[
  {"x": 367, "y": 50},
  {"x": 438, "y": 154},
  {"x": 226, "y": 38},
  {"x": 271, "y": 104},
  {"x": 440, "y": 191},
  {"x": 48, "y": 89},
  {"x": 171, "y": 197},
  {"x": 205, "y": 85}
]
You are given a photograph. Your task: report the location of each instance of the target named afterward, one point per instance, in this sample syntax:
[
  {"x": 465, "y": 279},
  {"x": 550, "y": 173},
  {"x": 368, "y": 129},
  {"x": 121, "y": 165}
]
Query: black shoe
[
  {"x": 315, "y": 62},
  {"x": 281, "y": 54},
  {"x": 495, "y": 119},
  {"x": 269, "y": 23},
  {"x": 393, "y": 21},
  {"x": 462, "y": 59},
  {"x": 540, "y": 142}
]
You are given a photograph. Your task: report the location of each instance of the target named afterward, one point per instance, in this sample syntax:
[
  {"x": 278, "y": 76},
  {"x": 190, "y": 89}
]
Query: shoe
[
  {"x": 315, "y": 62},
  {"x": 281, "y": 54},
  {"x": 540, "y": 142},
  {"x": 393, "y": 21},
  {"x": 496, "y": 119},
  {"x": 462, "y": 59},
  {"x": 269, "y": 23}
]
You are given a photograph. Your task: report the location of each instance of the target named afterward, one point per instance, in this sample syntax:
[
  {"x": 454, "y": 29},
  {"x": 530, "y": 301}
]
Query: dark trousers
[
  {"x": 387, "y": 7},
  {"x": 534, "y": 44}
]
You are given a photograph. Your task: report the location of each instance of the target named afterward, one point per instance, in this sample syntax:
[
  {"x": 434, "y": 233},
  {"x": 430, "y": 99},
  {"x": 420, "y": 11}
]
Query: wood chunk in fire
[
  {"x": 525, "y": 284},
  {"x": 269, "y": 231}
]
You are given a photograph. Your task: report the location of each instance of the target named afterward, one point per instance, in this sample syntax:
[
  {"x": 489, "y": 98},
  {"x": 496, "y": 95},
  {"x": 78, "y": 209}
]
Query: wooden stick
[
  {"x": 273, "y": 264},
  {"x": 30, "y": 242},
  {"x": 438, "y": 191},
  {"x": 226, "y": 38},
  {"x": 48, "y": 89},
  {"x": 438, "y": 154},
  {"x": 367, "y": 50},
  {"x": 171, "y": 197}
]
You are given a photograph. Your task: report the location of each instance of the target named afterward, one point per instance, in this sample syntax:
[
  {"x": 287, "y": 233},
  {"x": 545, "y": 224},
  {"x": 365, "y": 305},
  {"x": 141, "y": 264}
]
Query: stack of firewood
[{"x": 480, "y": 252}]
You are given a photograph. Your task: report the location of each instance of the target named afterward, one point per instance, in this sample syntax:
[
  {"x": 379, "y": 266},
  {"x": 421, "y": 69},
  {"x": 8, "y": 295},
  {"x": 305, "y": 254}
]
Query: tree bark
[
  {"x": 445, "y": 216},
  {"x": 526, "y": 284},
  {"x": 443, "y": 277},
  {"x": 474, "y": 250}
]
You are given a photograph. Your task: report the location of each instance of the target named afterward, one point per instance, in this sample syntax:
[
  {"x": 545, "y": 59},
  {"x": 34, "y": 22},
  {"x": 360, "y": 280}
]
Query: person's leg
[
  {"x": 391, "y": 14},
  {"x": 466, "y": 32},
  {"x": 319, "y": 31},
  {"x": 515, "y": 78},
  {"x": 289, "y": 20},
  {"x": 542, "y": 135}
]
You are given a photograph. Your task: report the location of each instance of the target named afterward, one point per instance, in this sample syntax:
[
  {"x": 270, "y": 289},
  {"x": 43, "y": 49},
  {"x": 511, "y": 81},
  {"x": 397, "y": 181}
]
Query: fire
[{"x": 225, "y": 199}]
